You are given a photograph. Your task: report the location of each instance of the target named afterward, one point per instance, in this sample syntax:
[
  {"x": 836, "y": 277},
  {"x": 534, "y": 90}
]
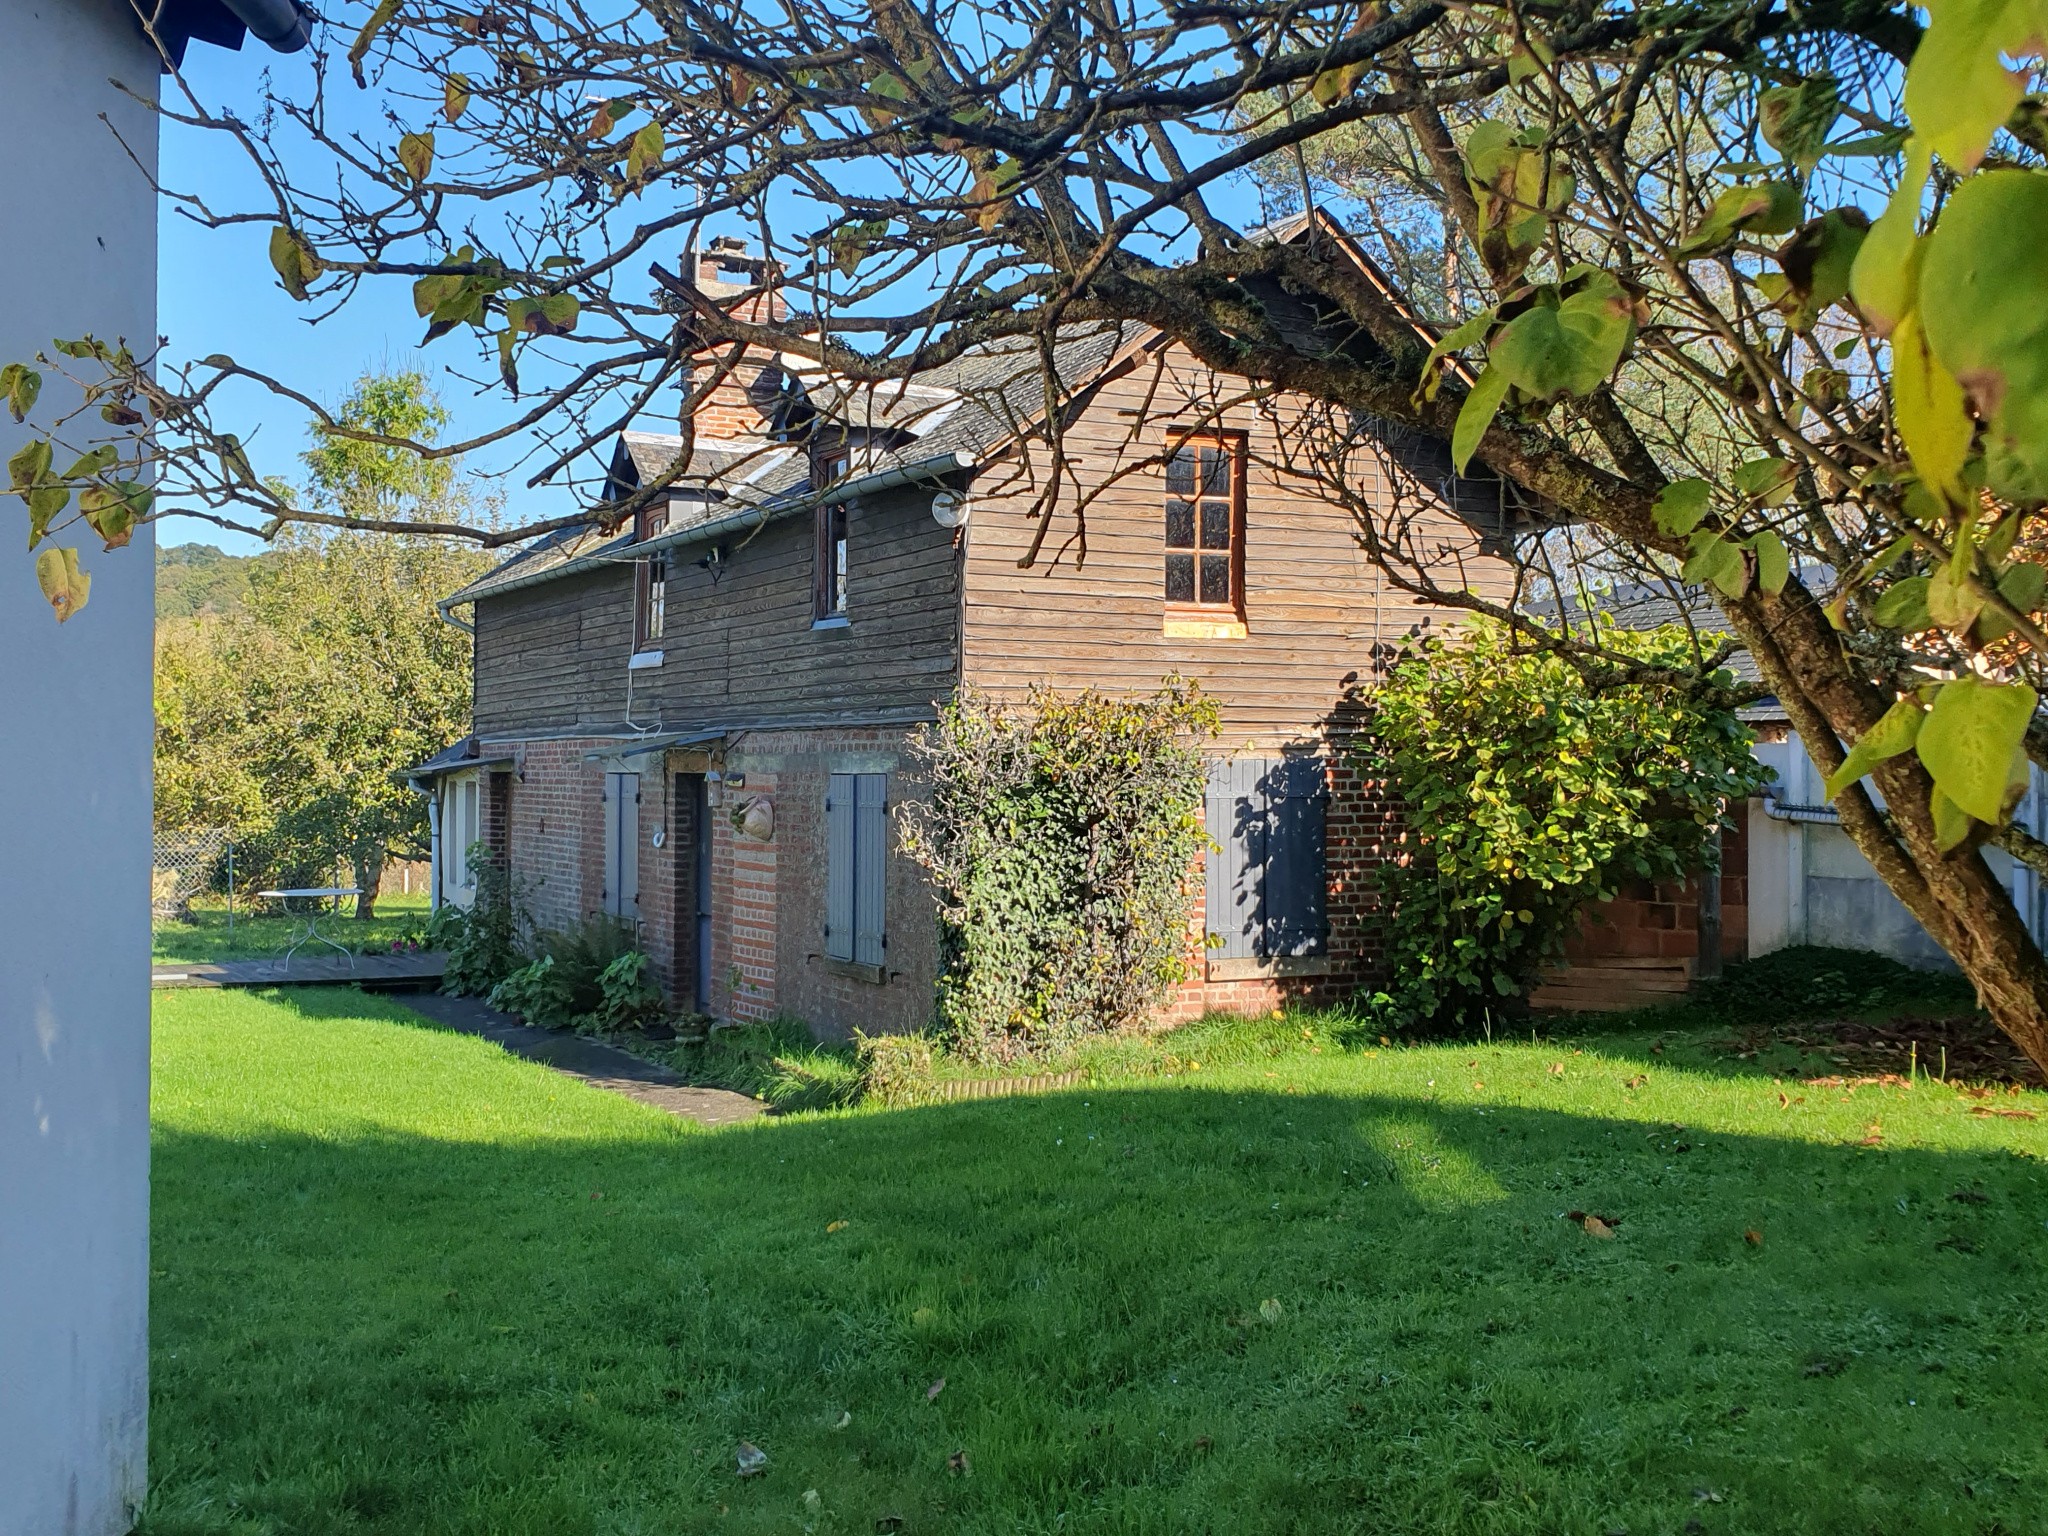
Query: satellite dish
[{"x": 950, "y": 509}]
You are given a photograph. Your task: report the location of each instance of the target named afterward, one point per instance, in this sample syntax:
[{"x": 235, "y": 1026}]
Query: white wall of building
[
  {"x": 79, "y": 254},
  {"x": 1809, "y": 884}
]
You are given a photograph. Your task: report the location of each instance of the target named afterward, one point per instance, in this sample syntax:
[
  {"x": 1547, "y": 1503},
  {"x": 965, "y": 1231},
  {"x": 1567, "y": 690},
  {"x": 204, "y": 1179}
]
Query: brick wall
[
  {"x": 555, "y": 832},
  {"x": 1660, "y": 920}
]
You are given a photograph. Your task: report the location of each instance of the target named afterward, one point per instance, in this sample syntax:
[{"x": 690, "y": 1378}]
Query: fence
[{"x": 187, "y": 865}]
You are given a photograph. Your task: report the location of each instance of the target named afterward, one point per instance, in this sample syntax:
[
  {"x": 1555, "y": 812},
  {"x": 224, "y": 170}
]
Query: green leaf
[
  {"x": 1953, "y": 601},
  {"x": 1569, "y": 349},
  {"x": 416, "y": 154},
  {"x": 360, "y": 48},
  {"x": 1796, "y": 119},
  {"x": 508, "y": 366},
  {"x": 20, "y": 384},
  {"x": 1951, "y": 822},
  {"x": 2022, "y": 585},
  {"x": 1715, "y": 559},
  {"x": 1904, "y": 606},
  {"x": 28, "y": 464},
  {"x": 1680, "y": 506},
  {"x": 1531, "y": 57},
  {"x": 1927, "y": 404},
  {"x": 45, "y": 500},
  {"x": 1972, "y": 736},
  {"x": 455, "y": 96},
  {"x": 1984, "y": 307},
  {"x": 1894, "y": 732},
  {"x": 1476, "y": 415},
  {"x": 90, "y": 463},
  {"x": 63, "y": 583},
  {"x": 1766, "y": 208},
  {"x": 1958, "y": 90},
  {"x": 1885, "y": 273},
  {"x": 1456, "y": 340},
  {"x": 1767, "y": 481},
  {"x": 1773, "y": 563},
  {"x": 554, "y": 315}
]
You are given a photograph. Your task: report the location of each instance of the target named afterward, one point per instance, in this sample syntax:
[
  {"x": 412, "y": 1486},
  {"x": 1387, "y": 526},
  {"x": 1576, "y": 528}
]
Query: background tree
[
  {"x": 1756, "y": 299},
  {"x": 291, "y": 719}
]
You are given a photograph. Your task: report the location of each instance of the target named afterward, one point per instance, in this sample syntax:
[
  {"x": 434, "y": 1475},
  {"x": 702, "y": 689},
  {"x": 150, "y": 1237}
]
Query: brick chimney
[{"x": 740, "y": 404}]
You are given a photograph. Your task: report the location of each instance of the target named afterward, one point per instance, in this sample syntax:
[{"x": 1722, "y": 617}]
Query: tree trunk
[
  {"x": 1955, "y": 896},
  {"x": 369, "y": 873}
]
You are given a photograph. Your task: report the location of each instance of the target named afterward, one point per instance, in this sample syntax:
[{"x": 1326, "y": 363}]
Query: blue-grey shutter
[
  {"x": 628, "y": 799},
  {"x": 1296, "y": 883},
  {"x": 1235, "y": 811},
  {"x": 840, "y": 797},
  {"x": 608, "y": 898},
  {"x": 870, "y": 865}
]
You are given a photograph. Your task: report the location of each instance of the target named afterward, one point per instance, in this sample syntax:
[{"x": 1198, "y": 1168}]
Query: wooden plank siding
[
  {"x": 1314, "y": 604},
  {"x": 739, "y": 647}
]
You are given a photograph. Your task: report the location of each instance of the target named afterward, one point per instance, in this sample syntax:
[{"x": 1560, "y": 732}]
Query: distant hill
[{"x": 195, "y": 580}]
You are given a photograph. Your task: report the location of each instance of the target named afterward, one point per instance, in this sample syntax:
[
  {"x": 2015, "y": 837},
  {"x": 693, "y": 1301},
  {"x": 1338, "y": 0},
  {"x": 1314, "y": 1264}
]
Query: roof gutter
[
  {"x": 278, "y": 23},
  {"x": 742, "y": 521}
]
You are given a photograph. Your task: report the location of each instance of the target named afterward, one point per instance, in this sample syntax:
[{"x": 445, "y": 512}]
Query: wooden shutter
[
  {"x": 1235, "y": 809},
  {"x": 870, "y": 866},
  {"x": 608, "y": 899},
  {"x": 621, "y": 895},
  {"x": 1296, "y": 883},
  {"x": 841, "y": 799}
]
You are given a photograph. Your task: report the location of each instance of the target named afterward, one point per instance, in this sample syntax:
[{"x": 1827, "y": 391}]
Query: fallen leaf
[
  {"x": 885, "y": 1524},
  {"x": 1203, "y": 1443},
  {"x": 957, "y": 1463},
  {"x": 812, "y": 1501},
  {"x": 1271, "y": 1310},
  {"x": 597, "y": 1194},
  {"x": 1873, "y": 1136},
  {"x": 1637, "y": 1081},
  {"x": 1961, "y": 1197},
  {"x": 1986, "y": 1111},
  {"x": 1754, "y": 1238},
  {"x": 1705, "y": 1496},
  {"x": 834, "y": 1226},
  {"x": 1479, "y": 1087},
  {"x": 1555, "y": 1069},
  {"x": 1595, "y": 1227},
  {"x": 931, "y": 1392},
  {"x": 752, "y": 1459},
  {"x": 845, "y": 1418},
  {"x": 1783, "y": 1102}
]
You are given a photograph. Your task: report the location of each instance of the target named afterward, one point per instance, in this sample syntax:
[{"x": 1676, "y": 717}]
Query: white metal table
[{"x": 315, "y": 894}]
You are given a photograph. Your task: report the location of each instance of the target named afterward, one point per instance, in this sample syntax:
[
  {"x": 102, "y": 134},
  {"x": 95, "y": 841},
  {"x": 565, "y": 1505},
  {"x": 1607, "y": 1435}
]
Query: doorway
[{"x": 693, "y": 891}]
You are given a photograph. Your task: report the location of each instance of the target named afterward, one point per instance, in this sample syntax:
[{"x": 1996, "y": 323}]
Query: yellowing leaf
[
  {"x": 1765, "y": 208},
  {"x": 360, "y": 48},
  {"x": 1271, "y": 1310},
  {"x": 1885, "y": 274},
  {"x": 1958, "y": 90},
  {"x": 454, "y": 97},
  {"x": 293, "y": 260},
  {"x": 1927, "y": 403},
  {"x": 19, "y": 386},
  {"x": 1796, "y": 119},
  {"x": 1970, "y": 741},
  {"x": 416, "y": 154},
  {"x": 835, "y": 1226},
  {"x": 647, "y": 147},
  {"x": 1894, "y": 732},
  {"x": 63, "y": 583},
  {"x": 1951, "y": 822}
]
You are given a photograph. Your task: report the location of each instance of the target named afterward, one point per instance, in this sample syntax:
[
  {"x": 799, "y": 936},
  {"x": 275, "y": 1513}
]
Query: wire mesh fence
[{"x": 188, "y": 866}]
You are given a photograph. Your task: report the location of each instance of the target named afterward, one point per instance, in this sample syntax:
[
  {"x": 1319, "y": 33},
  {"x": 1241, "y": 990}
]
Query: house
[
  {"x": 1789, "y": 874},
  {"x": 699, "y": 723},
  {"x": 75, "y": 815}
]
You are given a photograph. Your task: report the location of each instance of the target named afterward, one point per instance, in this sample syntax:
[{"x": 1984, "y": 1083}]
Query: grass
[
  {"x": 404, "y": 1283},
  {"x": 207, "y": 938}
]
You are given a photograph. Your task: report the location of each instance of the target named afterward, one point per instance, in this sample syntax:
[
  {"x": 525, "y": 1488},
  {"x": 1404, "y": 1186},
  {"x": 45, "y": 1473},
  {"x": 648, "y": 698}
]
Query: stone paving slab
[{"x": 591, "y": 1061}]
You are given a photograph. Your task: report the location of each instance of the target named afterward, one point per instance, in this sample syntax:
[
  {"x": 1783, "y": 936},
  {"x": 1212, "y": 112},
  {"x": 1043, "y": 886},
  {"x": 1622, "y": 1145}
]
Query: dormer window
[{"x": 828, "y": 583}]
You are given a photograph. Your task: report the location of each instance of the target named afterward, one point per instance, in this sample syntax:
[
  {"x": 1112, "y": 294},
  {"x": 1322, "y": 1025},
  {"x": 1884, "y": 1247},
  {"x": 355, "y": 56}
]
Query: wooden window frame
[
  {"x": 830, "y": 556},
  {"x": 1198, "y": 620},
  {"x": 650, "y": 621}
]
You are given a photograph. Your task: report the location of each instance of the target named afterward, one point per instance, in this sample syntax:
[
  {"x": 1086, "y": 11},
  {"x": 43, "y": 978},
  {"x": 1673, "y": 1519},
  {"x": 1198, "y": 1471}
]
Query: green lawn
[
  {"x": 403, "y": 1283},
  {"x": 208, "y": 938}
]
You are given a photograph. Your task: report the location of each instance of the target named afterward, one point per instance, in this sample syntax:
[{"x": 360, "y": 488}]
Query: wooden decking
[{"x": 307, "y": 970}]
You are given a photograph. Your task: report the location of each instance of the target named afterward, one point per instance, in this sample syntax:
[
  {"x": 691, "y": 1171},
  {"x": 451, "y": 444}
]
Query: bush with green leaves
[
  {"x": 629, "y": 996},
  {"x": 1059, "y": 838},
  {"x": 482, "y": 941},
  {"x": 1531, "y": 789},
  {"x": 537, "y": 993}
]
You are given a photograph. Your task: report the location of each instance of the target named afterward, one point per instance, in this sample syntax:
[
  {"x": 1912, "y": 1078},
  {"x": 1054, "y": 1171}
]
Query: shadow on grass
[{"x": 1142, "y": 1309}]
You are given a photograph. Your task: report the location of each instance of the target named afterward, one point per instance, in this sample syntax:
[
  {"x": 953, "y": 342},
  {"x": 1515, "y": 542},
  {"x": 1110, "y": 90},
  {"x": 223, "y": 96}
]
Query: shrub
[
  {"x": 1530, "y": 792},
  {"x": 628, "y": 994},
  {"x": 778, "y": 1062},
  {"x": 537, "y": 993},
  {"x": 895, "y": 1069},
  {"x": 1059, "y": 840},
  {"x": 583, "y": 954},
  {"x": 482, "y": 942}
]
